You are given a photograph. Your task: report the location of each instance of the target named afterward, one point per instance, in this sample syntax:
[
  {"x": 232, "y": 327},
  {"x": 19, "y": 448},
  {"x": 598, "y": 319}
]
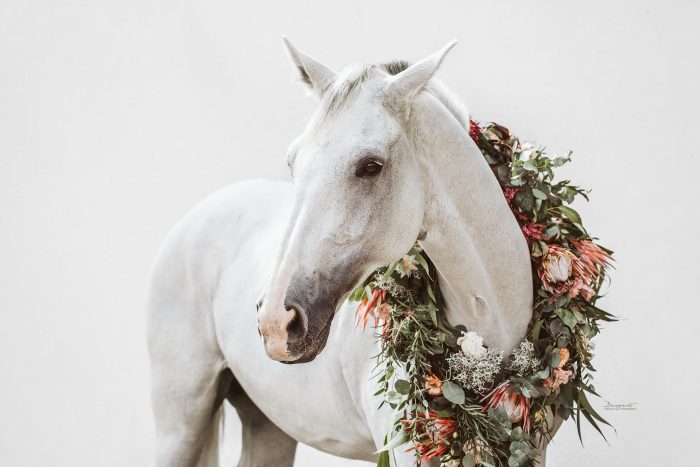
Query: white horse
[{"x": 385, "y": 160}]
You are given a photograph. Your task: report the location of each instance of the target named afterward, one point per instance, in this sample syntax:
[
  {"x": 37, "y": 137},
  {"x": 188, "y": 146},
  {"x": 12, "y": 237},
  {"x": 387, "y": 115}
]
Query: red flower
[
  {"x": 509, "y": 192},
  {"x": 533, "y": 231},
  {"x": 474, "y": 131},
  {"x": 434, "y": 435},
  {"x": 516, "y": 406}
]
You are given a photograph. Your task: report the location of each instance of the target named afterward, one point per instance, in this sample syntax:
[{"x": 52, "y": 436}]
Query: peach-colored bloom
[
  {"x": 559, "y": 375},
  {"x": 433, "y": 384},
  {"x": 558, "y": 378}
]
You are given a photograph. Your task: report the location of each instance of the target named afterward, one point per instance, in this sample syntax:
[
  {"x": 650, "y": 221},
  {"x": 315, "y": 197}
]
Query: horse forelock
[{"x": 350, "y": 81}]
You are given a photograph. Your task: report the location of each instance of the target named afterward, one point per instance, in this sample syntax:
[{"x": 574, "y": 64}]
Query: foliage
[{"x": 424, "y": 372}]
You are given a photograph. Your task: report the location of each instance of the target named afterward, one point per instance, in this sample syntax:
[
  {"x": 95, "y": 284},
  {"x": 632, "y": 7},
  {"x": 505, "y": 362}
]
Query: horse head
[{"x": 358, "y": 198}]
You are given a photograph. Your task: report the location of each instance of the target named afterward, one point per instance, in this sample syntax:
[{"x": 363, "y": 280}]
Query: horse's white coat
[{"x": 252, "y": 237}]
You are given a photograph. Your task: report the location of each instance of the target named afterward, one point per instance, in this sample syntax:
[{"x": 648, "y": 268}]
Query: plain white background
[{"x": 117, "y": 117}]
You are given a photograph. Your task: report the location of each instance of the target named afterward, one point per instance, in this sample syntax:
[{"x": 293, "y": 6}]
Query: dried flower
[
  {"x": 433, "y": 384},
  {"x": 475, "y": 371},
  {"x": 524, "y": 359}
]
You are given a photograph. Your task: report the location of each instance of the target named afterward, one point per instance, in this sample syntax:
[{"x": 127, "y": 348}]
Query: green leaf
[
  {"x": 570, "y": 214},
  {"x": 538, "y": 194},
  {"x": 402, "y": 386},
  {"x": 384, "y": 460},
  {"x": 400, "y": 438},
  {"x": 423, "y": 263},
  {"x": 393, "y": 397},
  {"x": 555, "y": 358},
  {"x": 390, "y": 270},
  {"x": 468, "y": 460},
  {"x": 567, "y": 317},
  {"x": 433, "y": 314},
  {"x": 453, "y": 392}
]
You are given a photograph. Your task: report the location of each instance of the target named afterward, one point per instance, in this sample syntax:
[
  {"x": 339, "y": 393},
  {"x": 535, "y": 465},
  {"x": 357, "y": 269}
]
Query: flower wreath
[{"x": 455, "y": 399}]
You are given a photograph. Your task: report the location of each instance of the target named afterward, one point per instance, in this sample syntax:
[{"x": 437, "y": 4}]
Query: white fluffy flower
[
  {"x": 524, "y": 359},
  {"x": 407, "y": 266},
  {"x": 472, "y": 344}
]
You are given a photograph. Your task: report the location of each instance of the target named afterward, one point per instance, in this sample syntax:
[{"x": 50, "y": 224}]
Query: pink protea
[
  {"x": 516, "y": 405},
  {"x": 593, "y": 259},
  {"x": 556, "y": 268}
]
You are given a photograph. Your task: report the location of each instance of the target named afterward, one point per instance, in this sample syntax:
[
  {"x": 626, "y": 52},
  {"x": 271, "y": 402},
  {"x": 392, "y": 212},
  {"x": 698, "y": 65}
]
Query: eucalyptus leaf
[
  {"x": 402, "y": 386},
  {"x": 453, "y": 392}
]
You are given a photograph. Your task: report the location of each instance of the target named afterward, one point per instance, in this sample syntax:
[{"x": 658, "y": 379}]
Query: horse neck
[{"x": 472, "y": 237}]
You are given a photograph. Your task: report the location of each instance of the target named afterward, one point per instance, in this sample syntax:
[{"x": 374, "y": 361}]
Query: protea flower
[
  {"x": 592, "y": 259},
  {"x": 434, "y": 434},
  {"x": 516, "y": 405},
  {"x": 557, "y": 267},
  {"x": 369, "y": 308}
]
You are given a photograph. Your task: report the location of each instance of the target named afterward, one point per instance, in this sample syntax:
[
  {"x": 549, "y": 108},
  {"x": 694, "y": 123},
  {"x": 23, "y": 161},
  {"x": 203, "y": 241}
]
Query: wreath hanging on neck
[{"x": 455, "y": 399}]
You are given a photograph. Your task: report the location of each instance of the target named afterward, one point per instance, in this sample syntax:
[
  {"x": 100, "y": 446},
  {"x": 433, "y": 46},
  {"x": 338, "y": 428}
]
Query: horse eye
[{"x": 369, "y": 168}]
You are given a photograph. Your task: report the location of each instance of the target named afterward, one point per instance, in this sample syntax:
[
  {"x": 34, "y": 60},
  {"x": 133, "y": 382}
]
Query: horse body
[
  {"x": 380, "y": 165},
  {"x": 227, "y": 245}
]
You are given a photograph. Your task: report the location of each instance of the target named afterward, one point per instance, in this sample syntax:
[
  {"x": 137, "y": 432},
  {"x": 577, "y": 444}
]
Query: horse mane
[{"x": 337, "y": 95}]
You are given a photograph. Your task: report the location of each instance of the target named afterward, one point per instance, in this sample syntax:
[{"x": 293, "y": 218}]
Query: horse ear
[
  {"x": 315, "y": 75},
  {"x": 403, "y": 86}
]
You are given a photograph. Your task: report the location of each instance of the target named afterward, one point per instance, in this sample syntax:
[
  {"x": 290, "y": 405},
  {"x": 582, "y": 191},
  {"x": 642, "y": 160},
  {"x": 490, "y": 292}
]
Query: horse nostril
[{"x": 295, "y": 328}]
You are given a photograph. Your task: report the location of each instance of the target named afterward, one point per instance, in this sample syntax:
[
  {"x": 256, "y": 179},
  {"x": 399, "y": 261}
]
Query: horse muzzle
[{"x": 293, "y": 334}]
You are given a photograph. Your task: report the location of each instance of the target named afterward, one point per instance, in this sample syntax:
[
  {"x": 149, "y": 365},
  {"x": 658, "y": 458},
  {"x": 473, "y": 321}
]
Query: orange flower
[
  {"x": 433, "y": 384},
  {"x": 516, "y": 405},
  {"x": 558, "y": 378},
  {"x": 368, "y": 308},
  {"x": 559, "y": 375},
  {"x": 564, "y": 356},
  {"x": 434, "y": 434}
]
